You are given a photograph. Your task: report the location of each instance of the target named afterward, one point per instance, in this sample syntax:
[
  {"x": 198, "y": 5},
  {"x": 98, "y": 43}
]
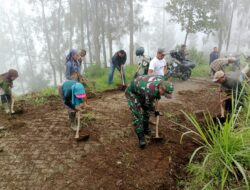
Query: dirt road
[{"x": 39, "y": 150}]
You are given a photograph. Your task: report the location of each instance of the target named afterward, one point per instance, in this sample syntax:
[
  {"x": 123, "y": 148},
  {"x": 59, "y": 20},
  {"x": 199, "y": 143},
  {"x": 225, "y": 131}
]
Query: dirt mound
[{"x": 40, "y": 152}]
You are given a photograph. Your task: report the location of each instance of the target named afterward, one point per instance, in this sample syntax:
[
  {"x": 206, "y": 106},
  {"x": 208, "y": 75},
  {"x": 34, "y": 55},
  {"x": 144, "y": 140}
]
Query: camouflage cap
[{"x": 168, "y": 87}]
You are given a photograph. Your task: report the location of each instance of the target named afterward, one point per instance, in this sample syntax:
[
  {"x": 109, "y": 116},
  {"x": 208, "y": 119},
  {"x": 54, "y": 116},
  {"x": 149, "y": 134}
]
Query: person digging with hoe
[
  {"x": 141, "y": 95},
  {"x": 232, "y": 88},
  {"x": 117, "y": 62},
  {"x": 6, "y": 84},
  {"x": 74, "y": 95}
]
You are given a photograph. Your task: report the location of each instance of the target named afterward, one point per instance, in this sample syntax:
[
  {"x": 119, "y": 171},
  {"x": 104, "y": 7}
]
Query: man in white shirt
[{"x": 158, "y": 65}]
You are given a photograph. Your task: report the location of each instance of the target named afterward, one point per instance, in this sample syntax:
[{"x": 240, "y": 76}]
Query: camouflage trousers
[{"x": 139, "y": 112}]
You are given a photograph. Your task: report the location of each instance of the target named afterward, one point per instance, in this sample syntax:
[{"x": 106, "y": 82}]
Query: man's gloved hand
[{"x": 158, "y": 113}]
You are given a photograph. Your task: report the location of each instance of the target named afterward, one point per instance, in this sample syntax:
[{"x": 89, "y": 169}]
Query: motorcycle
[
  {"x": 143, "y": 63},
  {"x": 179, "y": 67}
]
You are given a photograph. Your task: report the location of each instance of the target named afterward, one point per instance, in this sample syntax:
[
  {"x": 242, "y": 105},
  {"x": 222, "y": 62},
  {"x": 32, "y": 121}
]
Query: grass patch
[
  {"x": 41, "y": 97},
  {"x": 201, "y": 70},
  {"x": 222, "y": 161},
  {"x": 100, "y": 76}
]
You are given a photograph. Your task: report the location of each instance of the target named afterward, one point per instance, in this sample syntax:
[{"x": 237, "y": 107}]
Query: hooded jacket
[
  {"x": 70, "y": 89},
  {"x": 72, "y": 65}
]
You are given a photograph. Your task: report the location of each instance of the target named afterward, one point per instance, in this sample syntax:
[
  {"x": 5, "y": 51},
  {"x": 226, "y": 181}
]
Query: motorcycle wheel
[{"x": 186, "y": 74}]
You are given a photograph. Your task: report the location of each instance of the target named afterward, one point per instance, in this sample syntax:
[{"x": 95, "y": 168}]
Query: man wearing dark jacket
[
  {"x": 117, "y": 62},
  {"x": 213, "y": 55},
  {"x": 231, "y": 87}
]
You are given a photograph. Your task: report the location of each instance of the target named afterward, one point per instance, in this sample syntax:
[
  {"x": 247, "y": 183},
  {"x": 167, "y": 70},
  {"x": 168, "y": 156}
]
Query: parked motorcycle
[{"x": 179, "y": 67}]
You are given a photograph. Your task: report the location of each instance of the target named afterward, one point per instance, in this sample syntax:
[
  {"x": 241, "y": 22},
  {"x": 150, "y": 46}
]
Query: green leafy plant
[{"x": 222, "y": 161}]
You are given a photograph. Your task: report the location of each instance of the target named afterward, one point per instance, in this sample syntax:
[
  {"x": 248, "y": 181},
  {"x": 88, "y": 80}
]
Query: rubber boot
[
  {"x": 6, "y": 108},
  {"x": 146, "y": 129},
  {"x": 72, "y": 120},
  {"x": 141, "y": 138}
]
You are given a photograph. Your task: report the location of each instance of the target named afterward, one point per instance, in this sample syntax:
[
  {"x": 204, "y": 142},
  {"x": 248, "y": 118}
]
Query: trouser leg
[
  {"x": 123, "y": 72},
  {"x": 72, "y": 120},
  {"x": 111, "y": 73},
  {"x": 136, "y": 111},
  {"x": 6, "y": 101},
  {"x": 146, "y": 115},
  {"x": 228, "y": 105}
]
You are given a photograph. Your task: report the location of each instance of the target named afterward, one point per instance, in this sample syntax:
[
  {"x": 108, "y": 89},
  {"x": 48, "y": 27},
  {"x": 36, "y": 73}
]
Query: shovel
[
  {"x": 221, "y": 118},
  {"x": 222, "y": 110},
  {"x": 77, "y": 137},
  {"x": 12, "y": 105},
  {"x": 124, "y": 86},
  {"x": 157, "y": 138}
]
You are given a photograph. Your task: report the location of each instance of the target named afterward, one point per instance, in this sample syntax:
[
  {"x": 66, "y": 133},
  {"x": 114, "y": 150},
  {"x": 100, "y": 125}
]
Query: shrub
[
  {"x": 224, "y": 154},
  {"x": 199, "y": 57}
]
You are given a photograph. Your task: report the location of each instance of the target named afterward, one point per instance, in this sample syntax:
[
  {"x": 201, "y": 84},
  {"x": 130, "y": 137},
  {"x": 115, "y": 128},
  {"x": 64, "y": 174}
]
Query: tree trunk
[
  {"x": 186, "y": 37},
  {"x": 15, "y": 50},
  {"x": 220, "y": 41},
  {"x": 27, "y": 46},
  {"x": 58, "y": 41},
  {"x": 103, "y": 39},
  {"x": 88, "y": 29},
  {"x": 221, "y": 30},
  {"x": 70, "y": 25},
  {"x": 46, "y": 33},
  {"x": 96, "y": 30},
  {"x": 239, "y": 37},
  {"x": 131, "y": 32},
  {"x": 231, "y": 23},
  {"x": 109, "y": 32},
  {"x": 82, "y": 33}
]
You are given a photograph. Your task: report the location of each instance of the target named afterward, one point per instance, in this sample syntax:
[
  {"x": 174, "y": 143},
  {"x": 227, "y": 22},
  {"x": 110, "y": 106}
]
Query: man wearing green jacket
[{"x": 141, "y": 95}]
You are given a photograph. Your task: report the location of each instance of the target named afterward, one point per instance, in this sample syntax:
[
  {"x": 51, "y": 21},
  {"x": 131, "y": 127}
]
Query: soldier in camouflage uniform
[{"x": 141, "y": 95}]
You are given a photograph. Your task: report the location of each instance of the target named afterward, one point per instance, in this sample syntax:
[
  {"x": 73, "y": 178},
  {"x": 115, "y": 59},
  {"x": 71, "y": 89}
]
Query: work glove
[{"x": 157, "y": 113}]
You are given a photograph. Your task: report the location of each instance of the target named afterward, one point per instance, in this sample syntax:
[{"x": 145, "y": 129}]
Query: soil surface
[{"x": 38, "y": 149}]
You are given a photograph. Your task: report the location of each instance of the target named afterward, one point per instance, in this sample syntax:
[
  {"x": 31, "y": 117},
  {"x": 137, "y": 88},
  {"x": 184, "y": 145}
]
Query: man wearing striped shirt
[{"x": 218, "y": 64}]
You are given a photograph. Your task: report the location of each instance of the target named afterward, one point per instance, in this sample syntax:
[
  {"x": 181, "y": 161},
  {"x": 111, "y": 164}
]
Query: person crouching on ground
[
  {"x": 6, "y": 84},
  {"x": 231, "y": 87},
  {"x": 141, "y": 95},
  {"x": 73, "y": 95}
]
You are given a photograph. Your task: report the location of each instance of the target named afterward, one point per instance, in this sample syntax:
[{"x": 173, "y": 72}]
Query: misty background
[{"x": 36, "y": 35}]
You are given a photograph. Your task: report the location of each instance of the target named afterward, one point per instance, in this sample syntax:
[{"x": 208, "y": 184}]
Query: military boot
[
  {"x": 146, "y": 128},
  {"x": 72, "y": 120},
  {"x": 141, "y": 138},
  {"x": 140, "y": 134}
]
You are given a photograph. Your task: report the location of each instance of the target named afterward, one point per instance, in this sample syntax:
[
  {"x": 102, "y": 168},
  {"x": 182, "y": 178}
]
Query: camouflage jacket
[{"x": 146, "y": 88}]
